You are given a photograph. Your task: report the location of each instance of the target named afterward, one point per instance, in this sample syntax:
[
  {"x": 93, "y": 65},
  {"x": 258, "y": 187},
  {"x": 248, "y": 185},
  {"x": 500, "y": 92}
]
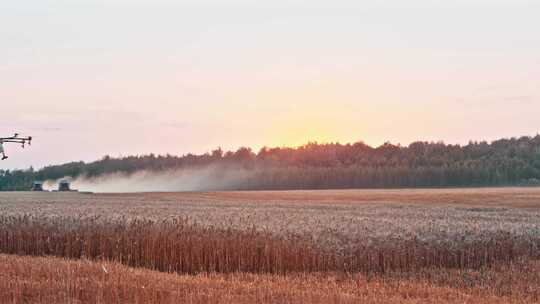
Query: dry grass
[{"x": 53, "y": 280}]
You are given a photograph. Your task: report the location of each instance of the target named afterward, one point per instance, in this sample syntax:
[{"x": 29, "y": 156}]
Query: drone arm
[{"x": 16, "y": 139}]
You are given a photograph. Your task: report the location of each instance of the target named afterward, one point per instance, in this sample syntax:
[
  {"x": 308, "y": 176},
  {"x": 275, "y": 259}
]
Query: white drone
[{"x": 14, "y": 139}]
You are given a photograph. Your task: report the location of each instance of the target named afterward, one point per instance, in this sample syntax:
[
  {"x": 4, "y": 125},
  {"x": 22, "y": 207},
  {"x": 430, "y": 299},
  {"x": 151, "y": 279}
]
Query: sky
[{"x": 89, "y": 78}]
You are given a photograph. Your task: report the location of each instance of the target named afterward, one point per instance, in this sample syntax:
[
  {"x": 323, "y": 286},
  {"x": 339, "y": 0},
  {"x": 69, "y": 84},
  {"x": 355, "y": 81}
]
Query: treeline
[{"x": 514, "y": 161}]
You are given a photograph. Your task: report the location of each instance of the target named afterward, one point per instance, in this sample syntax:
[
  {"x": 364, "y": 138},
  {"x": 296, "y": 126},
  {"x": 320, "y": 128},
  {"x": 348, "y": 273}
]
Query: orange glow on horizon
[{"x": 299, "y": 132}]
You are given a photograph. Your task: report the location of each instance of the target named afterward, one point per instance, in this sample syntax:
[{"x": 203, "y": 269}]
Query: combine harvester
[
  {"x": 63, "y": 186},
  {"x": 37, "y": 186}
]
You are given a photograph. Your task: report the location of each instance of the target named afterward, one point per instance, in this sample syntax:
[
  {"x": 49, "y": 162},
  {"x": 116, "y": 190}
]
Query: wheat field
[
  {"x": 54, "y": 280},
  {"x": 372, "y": 246}
]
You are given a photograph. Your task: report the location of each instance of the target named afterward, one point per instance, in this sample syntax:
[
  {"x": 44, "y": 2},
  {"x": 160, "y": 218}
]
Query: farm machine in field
[{"x": 13, "y": 139}]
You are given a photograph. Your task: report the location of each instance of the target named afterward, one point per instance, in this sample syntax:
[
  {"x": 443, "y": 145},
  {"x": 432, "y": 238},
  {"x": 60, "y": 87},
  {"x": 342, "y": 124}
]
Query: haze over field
[
  {"x": 96, "y": 77},
  {"x": 262, "y": 152},
  {"x": 204, "y": 179}
]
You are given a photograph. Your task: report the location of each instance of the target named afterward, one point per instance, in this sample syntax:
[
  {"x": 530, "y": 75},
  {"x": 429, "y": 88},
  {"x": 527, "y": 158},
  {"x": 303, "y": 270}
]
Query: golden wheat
[
  {"x": 470, "y": 246},
  {"x": 53, "y": 280}
]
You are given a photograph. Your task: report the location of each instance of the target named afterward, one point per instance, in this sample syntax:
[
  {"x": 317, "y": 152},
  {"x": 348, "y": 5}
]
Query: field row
[
  {"x": 180, "y": 246},
  {"x": 51, "y": 280}
]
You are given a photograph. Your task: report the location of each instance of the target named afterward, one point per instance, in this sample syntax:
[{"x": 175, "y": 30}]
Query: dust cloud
[{"x": 203, "y": 179}]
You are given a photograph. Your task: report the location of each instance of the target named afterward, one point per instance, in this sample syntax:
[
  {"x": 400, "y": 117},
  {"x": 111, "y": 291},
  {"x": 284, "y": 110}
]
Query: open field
[
  {"x": 377, "y": 246},
  {"x": 517, "y": 197},
  {"x": 335, "y": 219}
]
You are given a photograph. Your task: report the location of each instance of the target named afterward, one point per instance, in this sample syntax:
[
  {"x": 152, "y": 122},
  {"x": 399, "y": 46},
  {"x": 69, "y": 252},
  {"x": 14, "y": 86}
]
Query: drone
[{"x": 14, "y": 139}]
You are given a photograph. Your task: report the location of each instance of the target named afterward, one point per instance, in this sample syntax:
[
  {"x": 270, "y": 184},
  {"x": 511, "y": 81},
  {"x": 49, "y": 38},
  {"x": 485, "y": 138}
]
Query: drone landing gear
[{"x": 4, "y": 157}]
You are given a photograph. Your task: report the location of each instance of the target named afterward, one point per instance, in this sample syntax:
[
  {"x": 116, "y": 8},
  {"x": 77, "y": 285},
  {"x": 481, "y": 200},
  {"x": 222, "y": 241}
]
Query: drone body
[{"x": 14, "y": 139}]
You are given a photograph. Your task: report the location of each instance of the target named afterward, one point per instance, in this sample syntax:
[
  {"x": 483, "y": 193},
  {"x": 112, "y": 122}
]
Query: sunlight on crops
[{"x": 396, "y": 246}]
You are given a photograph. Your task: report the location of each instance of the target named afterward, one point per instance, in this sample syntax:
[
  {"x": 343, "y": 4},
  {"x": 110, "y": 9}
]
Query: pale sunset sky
[{"x": 88, "y": 78}]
